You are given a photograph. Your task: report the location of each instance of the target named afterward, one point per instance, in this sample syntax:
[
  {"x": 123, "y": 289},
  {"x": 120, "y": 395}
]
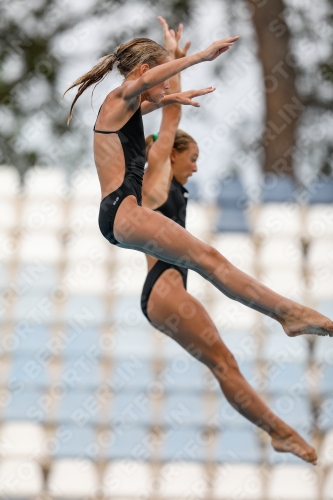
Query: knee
[
  {"x": 214, "y": 261},
  {"x": 223, "y": 367}
]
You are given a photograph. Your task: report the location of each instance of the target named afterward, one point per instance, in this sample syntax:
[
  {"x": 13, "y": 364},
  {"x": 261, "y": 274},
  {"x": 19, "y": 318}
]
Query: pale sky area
[
  {"x": 212, "y": 125},
  {"x": 228, "y": 122}
]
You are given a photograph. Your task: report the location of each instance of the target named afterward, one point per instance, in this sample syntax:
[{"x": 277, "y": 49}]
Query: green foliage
[
  {"x": 30, "y": 68},
  {"x": 26, "y": 45},
  {"x": 326, "y": 71},
  {"x": 28, "y": 33}
]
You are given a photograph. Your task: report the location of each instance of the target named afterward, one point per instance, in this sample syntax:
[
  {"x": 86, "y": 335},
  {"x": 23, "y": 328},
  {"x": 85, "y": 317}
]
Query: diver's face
[{"x": 184, "y": 164}]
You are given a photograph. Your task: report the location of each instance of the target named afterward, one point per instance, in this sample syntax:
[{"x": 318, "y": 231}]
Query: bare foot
[
  {"x": 294, "y": 443},
  {"x": 306, "y": 320}
]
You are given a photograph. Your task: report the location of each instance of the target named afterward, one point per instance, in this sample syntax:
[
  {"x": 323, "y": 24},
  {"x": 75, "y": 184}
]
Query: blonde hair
[
  {"x": 128, "y": 55},
  {"x": 181, "y": 142}
]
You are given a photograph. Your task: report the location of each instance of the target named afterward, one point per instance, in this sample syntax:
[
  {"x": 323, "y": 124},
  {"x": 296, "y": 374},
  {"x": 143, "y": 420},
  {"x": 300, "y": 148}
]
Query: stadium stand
[{"x": 97, "y": 404}]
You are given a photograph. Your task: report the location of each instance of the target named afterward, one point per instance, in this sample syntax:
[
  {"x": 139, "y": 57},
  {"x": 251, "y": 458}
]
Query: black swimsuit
[
  {"x": 132, "y": 139},
  {"x": 174, "y": 208}
]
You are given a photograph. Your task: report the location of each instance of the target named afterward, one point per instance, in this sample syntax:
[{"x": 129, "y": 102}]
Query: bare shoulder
[
  {"x": 120, "y": 93},
  {"x": 116, "y": 111}
]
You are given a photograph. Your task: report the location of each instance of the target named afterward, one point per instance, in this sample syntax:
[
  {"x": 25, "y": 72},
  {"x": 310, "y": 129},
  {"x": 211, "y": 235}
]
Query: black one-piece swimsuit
[
  {"x": 132, "y": 139},
  {"x": 174, "y": 208}
]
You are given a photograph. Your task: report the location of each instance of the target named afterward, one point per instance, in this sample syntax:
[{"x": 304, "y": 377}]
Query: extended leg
[
  {"x": 169, "y": 302},
  {"x": 149, "y": 232}
]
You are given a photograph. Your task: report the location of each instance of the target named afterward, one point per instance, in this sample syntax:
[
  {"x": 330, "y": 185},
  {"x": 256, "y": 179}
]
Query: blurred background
[{"x": 95, "y": 403}]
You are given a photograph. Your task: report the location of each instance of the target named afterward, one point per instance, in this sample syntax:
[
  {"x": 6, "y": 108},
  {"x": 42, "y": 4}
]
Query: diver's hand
[
  {"x": 185, "y": 98},
  {"x": 217, "y": 48},
  {"x": 171, "y": 40}
]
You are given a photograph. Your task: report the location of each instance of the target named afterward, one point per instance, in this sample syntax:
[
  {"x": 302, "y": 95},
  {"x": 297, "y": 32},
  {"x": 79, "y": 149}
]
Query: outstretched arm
[
  {"x": 184, "y": 98},
  {"x": 160, "y": 73}
]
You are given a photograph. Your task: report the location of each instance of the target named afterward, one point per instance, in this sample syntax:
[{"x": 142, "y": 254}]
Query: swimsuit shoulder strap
[{"x": 115, "y": 131}]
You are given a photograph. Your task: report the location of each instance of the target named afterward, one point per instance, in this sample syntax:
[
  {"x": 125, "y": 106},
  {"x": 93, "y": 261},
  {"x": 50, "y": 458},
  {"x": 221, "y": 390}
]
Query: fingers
[
  {"x": 224, "y": 49},
  {"x": 230, "y": 40},
  {"x": 186, "y": 47},
  {"x": 207, "y": 90},
  {"x": 164, "y": 24},
  {"x": 226, "y": 42},
  {"x": 179, "y": 32},
  {"x": 195, "y": 104},
  {"x": 178, "y": 36},
  {"x": 197, "y": 93},
  {"x": 224, "y": 45}
]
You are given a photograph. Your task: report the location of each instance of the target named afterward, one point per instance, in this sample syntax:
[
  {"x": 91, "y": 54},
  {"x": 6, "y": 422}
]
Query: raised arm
[
  {"x": 154, "y": 76},
  {"x": 156, "y": 181}
]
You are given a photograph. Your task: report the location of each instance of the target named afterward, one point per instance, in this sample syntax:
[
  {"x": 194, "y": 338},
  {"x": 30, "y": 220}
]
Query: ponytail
[
  {"x": 95, "y": 75},
  {"x": 128, "y": 56}
]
